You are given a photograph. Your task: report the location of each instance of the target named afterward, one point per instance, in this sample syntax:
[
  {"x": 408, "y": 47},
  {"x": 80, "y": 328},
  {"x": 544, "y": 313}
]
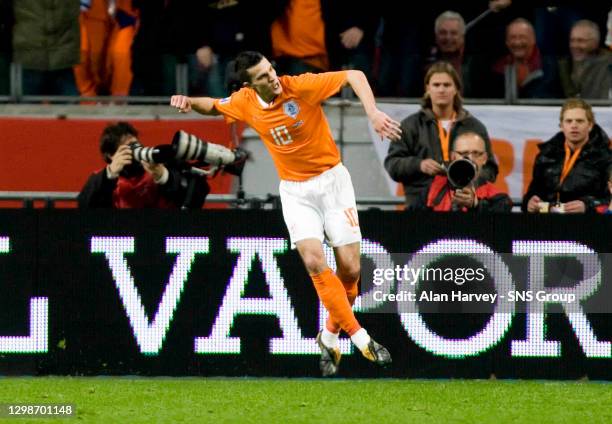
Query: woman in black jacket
[{"x": 570, "y": 173}]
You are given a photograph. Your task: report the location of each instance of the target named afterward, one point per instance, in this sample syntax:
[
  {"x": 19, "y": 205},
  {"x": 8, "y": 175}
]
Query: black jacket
[
  {"x": 420, "y": 141},
  {"x": 588, "y": 179},
  {"x": 98, "y": 190},
  {"x": 340, "y": 15}
]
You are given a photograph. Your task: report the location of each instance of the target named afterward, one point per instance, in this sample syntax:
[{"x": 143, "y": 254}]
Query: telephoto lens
[
  {"x": 461, "y": 173},
  {"x": 158, "y": 154},
  {"x": 188, "y": 147}
]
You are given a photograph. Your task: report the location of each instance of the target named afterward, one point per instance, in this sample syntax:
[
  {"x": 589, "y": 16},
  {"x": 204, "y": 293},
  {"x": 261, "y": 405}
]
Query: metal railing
[
  {"x": 511, "y": 96},
  {"x": 270, "y": 201},
  {"x": 49, "y": 198}
]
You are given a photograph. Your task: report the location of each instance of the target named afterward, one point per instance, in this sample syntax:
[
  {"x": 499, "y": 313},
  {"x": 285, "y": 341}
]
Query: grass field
[{"x": 217, "y": 400}]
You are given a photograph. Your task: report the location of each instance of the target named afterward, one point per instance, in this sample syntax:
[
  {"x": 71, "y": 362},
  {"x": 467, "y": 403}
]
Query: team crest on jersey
[
  {"x": 291, "y": 108},
  {"x": 225, "y": 100}
]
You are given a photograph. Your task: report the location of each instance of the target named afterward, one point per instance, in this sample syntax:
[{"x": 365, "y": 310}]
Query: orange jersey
[
  {"x": 293, "y": 127},
  {"x": 300, "y": 33}
]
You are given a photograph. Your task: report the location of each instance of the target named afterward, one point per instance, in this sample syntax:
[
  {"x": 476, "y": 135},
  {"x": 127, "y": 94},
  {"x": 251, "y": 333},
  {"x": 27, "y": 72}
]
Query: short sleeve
[
  {"x": 232, "y": 107},
  {"x": 314, "y": 88}
]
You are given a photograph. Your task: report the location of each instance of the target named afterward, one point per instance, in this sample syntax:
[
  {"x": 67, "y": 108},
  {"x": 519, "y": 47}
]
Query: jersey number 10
[{"x": 281, "y": 135}]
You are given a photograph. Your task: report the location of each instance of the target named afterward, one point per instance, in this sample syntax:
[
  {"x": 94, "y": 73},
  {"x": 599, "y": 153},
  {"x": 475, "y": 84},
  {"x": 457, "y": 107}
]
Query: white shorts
[{"x": 322, "y": 207}]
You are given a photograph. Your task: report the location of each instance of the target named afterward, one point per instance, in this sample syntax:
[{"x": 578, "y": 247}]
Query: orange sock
[
  {"x": 332, "y": 293},
  {"x": 352, "y": 290}
]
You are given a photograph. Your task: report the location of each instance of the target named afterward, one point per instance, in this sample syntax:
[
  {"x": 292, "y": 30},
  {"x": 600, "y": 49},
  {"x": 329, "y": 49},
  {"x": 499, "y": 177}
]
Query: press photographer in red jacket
[
  {"x": 465, "y": 189},
  {"x": 127, "y": 183}
]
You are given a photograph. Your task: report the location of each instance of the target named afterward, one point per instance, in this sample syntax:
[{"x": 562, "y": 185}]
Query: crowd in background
[{"x": 555, "y": 49}]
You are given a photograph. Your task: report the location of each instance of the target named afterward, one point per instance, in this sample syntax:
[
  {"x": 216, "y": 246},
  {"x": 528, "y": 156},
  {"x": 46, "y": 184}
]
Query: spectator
[
  {"x": 571, "y": 171},
  {"x": 298, "y": 39},
  {"x": 229, "y": 28},
  {"x": 169, "y": 33},
  {"x": 46, "y": 44},
  {"x": 587, "y": 73},
  {"x": 480, "y": 195},
  {"x": 525, "y": 61},
  {"x": 6, "y": 26},
  {"x": 107, "y": 30},
  {"x": 428, "y": 135},
  {"x": 320, "y": 35},
  {"x": 450, "y": 47},
  {"x": 125, "y": 183},
  {"x": 406, "y": 39},
  {"x": 350, "y": 29},
  {"x": 402, "y": 47},
  {"x": 554, "y": 20},
  {"x": 449, "y": 30}
]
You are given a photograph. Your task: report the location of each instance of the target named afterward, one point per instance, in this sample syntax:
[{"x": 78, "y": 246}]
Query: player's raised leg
[{"x": 349, "y": 270}]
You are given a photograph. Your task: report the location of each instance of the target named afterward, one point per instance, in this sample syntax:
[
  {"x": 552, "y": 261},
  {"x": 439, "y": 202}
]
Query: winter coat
[
  {"x": 420, "y": 140},
  {"x": 587, "y": 180},
  {"x": 46, "y": 35}
]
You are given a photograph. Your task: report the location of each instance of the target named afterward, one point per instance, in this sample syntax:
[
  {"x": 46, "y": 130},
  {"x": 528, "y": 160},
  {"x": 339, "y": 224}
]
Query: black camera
[{"x": 461, "y": 173}]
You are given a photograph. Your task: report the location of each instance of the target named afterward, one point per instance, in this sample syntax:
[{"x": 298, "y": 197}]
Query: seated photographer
[
  {"x": 464, "y": 188},
  {"x": 570, "y": 174},
  {"x": 128, "y": 183}
]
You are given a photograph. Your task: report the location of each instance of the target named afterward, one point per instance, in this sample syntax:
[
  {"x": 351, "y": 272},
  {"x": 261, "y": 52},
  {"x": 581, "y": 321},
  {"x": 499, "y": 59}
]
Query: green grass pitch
[{"x": 263, "y": 400}]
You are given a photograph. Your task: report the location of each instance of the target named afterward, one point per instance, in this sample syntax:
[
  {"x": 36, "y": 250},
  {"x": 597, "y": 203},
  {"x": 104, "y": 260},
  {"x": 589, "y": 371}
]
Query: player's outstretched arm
[
  {"x": 203, "y": 105},
  {"x": 381, "y": 122}
]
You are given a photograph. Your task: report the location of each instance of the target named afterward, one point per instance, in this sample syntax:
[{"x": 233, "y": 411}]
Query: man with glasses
[
  {"x": 428, "y": 136},
  {"x": 480, "y": 195}
]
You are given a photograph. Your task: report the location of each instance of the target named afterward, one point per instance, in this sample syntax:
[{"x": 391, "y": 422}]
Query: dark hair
[
  {"x": 111, "y": 137},
  {"x": 444, "y": 68},
  {"x": 243, "y": 62}
]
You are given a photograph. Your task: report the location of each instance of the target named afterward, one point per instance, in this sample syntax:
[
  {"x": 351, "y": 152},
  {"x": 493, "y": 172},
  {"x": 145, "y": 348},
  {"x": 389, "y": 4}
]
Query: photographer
[
  {"x": 570, "y": 173},
  {"x": 128, "y": 183},
  {"x": 464, "y": 188},
  {"x": 428, "y": 136}
]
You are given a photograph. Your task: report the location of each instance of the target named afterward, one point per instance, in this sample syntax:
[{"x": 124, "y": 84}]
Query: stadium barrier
[{"x": 222, "y": 293}]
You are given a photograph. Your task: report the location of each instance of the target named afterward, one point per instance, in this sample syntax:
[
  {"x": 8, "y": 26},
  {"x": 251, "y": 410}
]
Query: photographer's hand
[
  {"x": 465, "y": 197},
  {"x": 157, "y": 170},
  {"x": 121, "y": 158}
]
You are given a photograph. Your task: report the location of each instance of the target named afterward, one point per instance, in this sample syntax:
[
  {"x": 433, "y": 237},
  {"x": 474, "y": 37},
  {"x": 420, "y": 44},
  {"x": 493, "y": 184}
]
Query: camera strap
[{"x": 436, "y": 201}]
